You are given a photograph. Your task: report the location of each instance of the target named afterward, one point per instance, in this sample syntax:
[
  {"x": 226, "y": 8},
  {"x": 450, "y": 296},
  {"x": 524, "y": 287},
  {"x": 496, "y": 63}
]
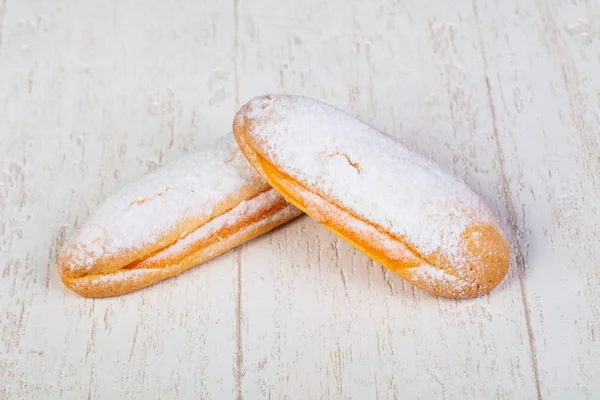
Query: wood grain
[
  {"x": 505, "y": 94},
  {"x": 544, "y": 90}
]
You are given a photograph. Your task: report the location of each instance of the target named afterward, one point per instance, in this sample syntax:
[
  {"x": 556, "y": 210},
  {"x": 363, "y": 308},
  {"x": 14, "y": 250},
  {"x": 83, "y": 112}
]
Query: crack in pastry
[{"x": 352, "y": 163}]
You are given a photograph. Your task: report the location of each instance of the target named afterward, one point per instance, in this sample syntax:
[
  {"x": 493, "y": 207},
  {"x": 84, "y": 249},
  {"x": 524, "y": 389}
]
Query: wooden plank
[
  {"x": 543, "y": 74},
  {"x": 334, "y": 325},
  {"x": 93, "y": 95}
]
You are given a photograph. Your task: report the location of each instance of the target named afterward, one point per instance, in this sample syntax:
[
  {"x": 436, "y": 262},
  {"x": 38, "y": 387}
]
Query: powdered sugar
[
  {"x": 423, "y": 275},
  {"x": 368, "y": 172},
  {"x": 143, "y": 276},
  {"x": 248, "y": 207},
  {"x": 128, "y": 276},
  {"x": 144, "y": 212}
]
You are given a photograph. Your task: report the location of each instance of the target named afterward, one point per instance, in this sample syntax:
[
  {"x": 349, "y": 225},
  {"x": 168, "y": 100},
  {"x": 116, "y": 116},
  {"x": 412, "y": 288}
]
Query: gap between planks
[
  {"x": 511, "y": 216},
  {"x": 239, "y": 350}
]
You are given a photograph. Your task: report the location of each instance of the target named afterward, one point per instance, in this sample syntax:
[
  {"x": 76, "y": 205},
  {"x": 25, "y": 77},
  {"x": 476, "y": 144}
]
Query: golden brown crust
[
  {"x": 487, "y": 247},
  {"x": 68, "y": 264},
  {"x": 167, "y": 263},
  {"x": 175, "y": 217}
]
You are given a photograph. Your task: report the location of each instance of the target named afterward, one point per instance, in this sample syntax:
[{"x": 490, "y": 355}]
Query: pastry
[
  {"x": 394, "y": 205},
  {"x": 178, "y": 216}
]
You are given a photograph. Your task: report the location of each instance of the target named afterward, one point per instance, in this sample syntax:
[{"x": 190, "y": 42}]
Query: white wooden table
[{"x": 93, "y": 94}]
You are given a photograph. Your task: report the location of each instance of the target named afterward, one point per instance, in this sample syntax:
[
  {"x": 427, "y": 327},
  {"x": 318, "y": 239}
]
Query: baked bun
[
  {"x": 174, "y": 218},
  {"x": 392, "y": 204}
]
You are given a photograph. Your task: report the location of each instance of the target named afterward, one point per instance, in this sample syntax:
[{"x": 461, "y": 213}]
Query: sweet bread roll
[
  {"x": 172, "y": 219},
  {"x": 394, "y": 205}
]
